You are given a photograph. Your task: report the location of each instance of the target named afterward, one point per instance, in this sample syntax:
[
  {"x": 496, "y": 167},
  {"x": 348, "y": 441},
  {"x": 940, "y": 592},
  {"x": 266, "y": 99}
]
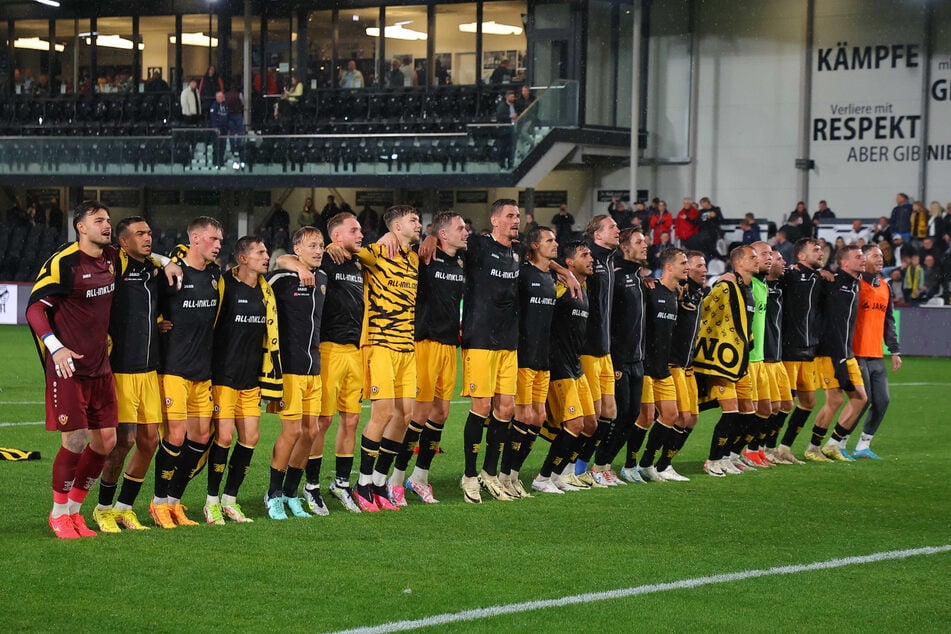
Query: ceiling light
[
  {"x": 397, "y": 32},
  {"x": 37, "y": 44},
  {"x": 49, "y": 3},
  {"x": 114, "y": 41},
  {"x": 492, "y": 28},
  {"x": 196, "y": 39}
]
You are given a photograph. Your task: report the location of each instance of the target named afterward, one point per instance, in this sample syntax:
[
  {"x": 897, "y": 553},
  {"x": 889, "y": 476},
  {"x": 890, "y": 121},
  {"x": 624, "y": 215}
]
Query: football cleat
[
  {"x": 866, "y": 453},
  {"x": 423, "y": 489},
  {"x": 588, "y": 478},
  {"x": 345, "y": 495},
  {"x": 366, "y": 506},
  {"x": 814, "y": 454},
  {"x": 79, "y": 523},
  {"x": 275, "y": 507},
  {"x": 296, "y": 507},
  {"x": 727, "y": 467},
  {"x": 559, "y": 481},
  {"x": 396, "y": 493},
  {"x": 315, "y": 502},
  {"x": 383, "y": 503},
  {"x": 491, "y": 484},
  {"x": 833, "y": 452},
  {"x": 649, "y": 474},
  {"x": 788, "y": 456},
  {"x": 63, "y": 527},
  {"x": 602, "y": 478},
  {"x": 470, "y": 489},
  {"x": 127, "y": 519},
  {"x": 177, "y": 513},
  {"x": 545, "y": 485},
  {"x": 712, "y": 468},
  {"x": 631, "y": 475},
  {"x": 213, "y": 515},
  {"x": 234, "y": 513},
  {"x": 670, "y": 474},
  {"x": 106, "y": 519},
  {"x": 520, "y": 489},
  {"x": 575, "y": 481},
  {"x": 161, "y": 515}
]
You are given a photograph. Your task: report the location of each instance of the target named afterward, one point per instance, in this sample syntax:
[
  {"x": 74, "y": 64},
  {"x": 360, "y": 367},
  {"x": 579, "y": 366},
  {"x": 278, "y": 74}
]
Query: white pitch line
[
  {"x": 918, "y": 384},
  {"x": 590, "y": 597},
  {"x": 34, "y": 422},
  {"x": 22, "y": 402}
]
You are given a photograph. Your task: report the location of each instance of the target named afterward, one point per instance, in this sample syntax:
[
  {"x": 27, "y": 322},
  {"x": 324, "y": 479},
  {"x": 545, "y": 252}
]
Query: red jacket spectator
[
  {"x": 688, "y": 219},
  {"x": 661, "y": 222}
]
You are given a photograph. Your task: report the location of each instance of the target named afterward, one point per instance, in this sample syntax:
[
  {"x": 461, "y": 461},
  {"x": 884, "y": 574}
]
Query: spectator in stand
[
  {"x": 621, "y": 212},
  {"x": 506, "y": 113},
  {"x": 291, "y": 97},
  {"x": 394, "y": 78},
  {"x": 822, "y": 215},
  {"x": 918, "y": 224},
  {"x": 563, "y": 223},
  {"x": 750, "y": 229},
  {"x": 900, "y": 219},
  {"x": 308, "y": 215},
  {"x": 209, "y": 86},
  {"x": 895, "y": 285},
  {"x": 369, "y": 221},
  {"x": 806, "y": 227},
  {"x": 826, "y": 249},
  {"x": 930, "y": 247},
  {"x": 234, "y": 102},
  {"x": 662, "y": 222},
  {"x": 836, "y": 247},
  {"x": 912, "y": 277},
  {"x": 329, "y": 211},
  {"x": 156, "y": 83},
  {"x": 525, "y": 99},
  {"x": 709, "y": 230},
  {"x": 786, "y": 248},
  {"x": 662, "y": 244},
  {"x": 932, "y": 278},
  {"x": 640, "y": 216},
  {"x": 351, "y": 78},
  {"x": 530, "y": 223},
  {"x": 687, "y": 221},
  {"x": 54, "y": 214},
  {"x": 881, "y": 230},
  {"x": 794, "y": 229},
  {"x": 218, "y": 113},
  {"x": 888, "y": 256},
  {"x": 502, "y": 73},
  {"x": 899, "y": 248},
  {"x": 277, "y": 222},
  {"x": 191, "y": 103},
  {"x": 859, "y": 232},
  {"x": 936, "y": 221}
]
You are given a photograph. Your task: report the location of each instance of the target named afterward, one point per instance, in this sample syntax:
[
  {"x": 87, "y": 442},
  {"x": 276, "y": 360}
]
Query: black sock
[
  {"x": 410, "y": 443},
  {"x": 292, "y": 482},
  {"x": 388, "y": 450},
  {"x": 369, "y": 450},
  {"x": 655, "y": 440},
  {"x": 672, "y": 445},
  {"x": 818, "y": 433},
  {"x": 560, "y": 447},
  {"x": 275, "y": 485},
  {"x": 797, "y": 420},
  {"x": 839, "y": 432},
  {"x": 577, "y": 447},
  {"x": 130, "y": 490},
  {"x": 343, "y": 467},
  {"x": 526, "y": 448},
  {"x": 166, "y": 459},
  {"x": 518, "y": 435},
  {"x": 472, "y": 438},
  {"x": 188, "y": 459},
  {"x": 776, "y": 422},
  {"x": 217, "y": 461},
  {"x": 312, "y": 469},
  {"x": 238, "y": 468},
  {"x": 634, "y": 442},
  {"x": 107, "y": 492},
  {"x": 721, "y": 436},
  {"x": 429, "y": 444},
  {"x": 590, "y": 445},
  {"x": 601, "y": 434},
  {"x": 495, "y": 439}
]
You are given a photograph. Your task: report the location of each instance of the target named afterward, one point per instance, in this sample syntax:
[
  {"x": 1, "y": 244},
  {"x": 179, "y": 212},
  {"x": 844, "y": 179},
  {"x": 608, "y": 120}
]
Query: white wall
[{"x": 750, "y": 89}]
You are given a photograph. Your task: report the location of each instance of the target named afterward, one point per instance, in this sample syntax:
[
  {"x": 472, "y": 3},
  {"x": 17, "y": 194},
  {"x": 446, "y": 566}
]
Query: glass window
[
  {"x": 455, "y": 61},
  {"x": 600, "y": 67},
  {"x": 64, "y": 72},
  {"x": 31, "y": 56},
  {"x": 199, "y": 45},
  {"x": 354, "y": 43},
  {"x": 278, "y": 50},
  {"x": 320, "y": 61},
  {"x": 158, "y": 56},
  {"x": 6, "y": 62},
  {"x": 503, "y": 42},
  {"x": 114, "y": 54},
  {"x": 406, "y": 34}
]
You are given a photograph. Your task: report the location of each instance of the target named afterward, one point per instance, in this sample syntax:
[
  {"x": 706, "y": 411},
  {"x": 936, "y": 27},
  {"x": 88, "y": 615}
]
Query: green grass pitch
[{"x": 346, "y": 571}]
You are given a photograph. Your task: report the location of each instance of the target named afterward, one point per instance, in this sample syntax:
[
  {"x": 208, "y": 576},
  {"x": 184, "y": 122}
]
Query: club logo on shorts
[
  {"x": 63, "y": 419},
  {"x": 472, "y": 387},
  {"x": 722, "y": 389},
  {"x": 217, "y": 408},
  {"x": 617, "y": 375},
  {"x": 374, "y": 390},
  {"x": 168, "y": 402},
  {"x": 571, "y": 409},
  {"x": 281, "y": 404}
]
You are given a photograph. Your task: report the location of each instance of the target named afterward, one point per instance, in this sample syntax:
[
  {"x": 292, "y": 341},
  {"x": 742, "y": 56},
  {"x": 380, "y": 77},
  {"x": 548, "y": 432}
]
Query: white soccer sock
[
  {"x": 102, "y": 507},
  {"x": 211, "y": 500},
  {"x": 157, "y": 500},
  {"x": 228, "y": 500},
  {"x": 60, "y": 509},
  {"x": 398, "y": 477},
  {"x": 420, "y": 475},
  {"x": 365, "y": 480},
  {"x": 173, "y": 501},
  {"x": 120, "y": 506},
  {"x": 378, "y": 479},
  {"x": 72, "y": 507},
  {"x": 864, "y": 441}
]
